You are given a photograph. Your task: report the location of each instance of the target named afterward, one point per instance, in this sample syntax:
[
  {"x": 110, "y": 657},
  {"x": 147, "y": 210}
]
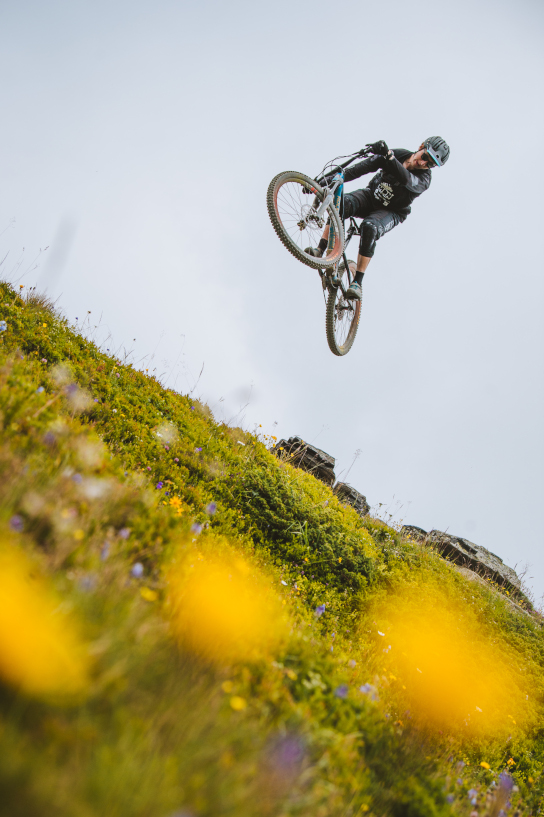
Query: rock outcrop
[
  {"x": 348, "y": 495},
  {"x": 466, "y": 554},
  {"x": 307, "y": 457}
]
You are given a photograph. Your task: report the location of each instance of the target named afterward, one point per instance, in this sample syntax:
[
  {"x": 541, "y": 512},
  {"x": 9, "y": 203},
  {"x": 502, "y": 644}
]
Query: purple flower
[
  {"x": 319, "y": 611},
  {"x": 198, "y": 449},
  {"x": 472, "y": 793},
  {"x": 40, "y": 389},
  {"x": 49, "y": 438},
  {"x": 159, "y": 485},
  {"x": 137, "y": 570},
  {"x": 285, "y": 755},
  {"x": 124, "y": 533},
  {"x": 192, "y": 408},
  {"x": 176, "y": 459},
  {"x": 450, "y": 798},
  {"x": 117, "y": 374},
  {"x": 506, "y": 781},
  {"x": 196, "y": 527},
  {"x": 459, "y": 781},
  {"x": 44, "y": 360},
  {"x": 211, "y": 508},
  {"x": 16, "y": 523},
  {"x": 371, "y": 691},
  {"x": 341, "y": 691},
  {"x": 460, "y": 765},
  {"x": 77, "y": 478}
]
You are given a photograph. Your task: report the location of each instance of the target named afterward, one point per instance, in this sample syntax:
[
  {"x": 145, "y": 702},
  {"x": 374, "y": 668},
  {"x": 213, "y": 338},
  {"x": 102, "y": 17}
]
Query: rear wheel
[
  {"x": 295, "y": 220},
  {"x": 342, "y": 316}
]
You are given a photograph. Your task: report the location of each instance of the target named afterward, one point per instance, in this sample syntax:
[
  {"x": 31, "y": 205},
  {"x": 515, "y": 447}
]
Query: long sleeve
[
  {"x": 369, "y": 165},
  {"x": 414, "y": 184}
]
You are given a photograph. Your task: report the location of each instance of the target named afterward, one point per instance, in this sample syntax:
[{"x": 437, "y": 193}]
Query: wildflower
[
  {"x": 381, "y": 633},
  {"x": 238, "y": 703},
  {"x": 284, "y": 583},
  {"x": 196, "y": 527},
  {"x": 77, "y": 478},
  {"x": 485, "y": 765},
  {"x": 341, "y": 691},
  {"x": 192, "y": 408},
  {"x": 371, "y": 691},
  {"x": 176, "y": 459},
  {"x": 450, "y": 798},
  {"x": 472, "y": 793},
  {"x": 137, "y": 570},
  {"x": 211, "y": 508},
  {"x": 511, "y": 762},
  {"x": 227, "y": 686},
  {"x": 149, "y": 468},
  {"x": 198, "y": 449},
  {"x": 3, "y": 326},
  {"x": 40, "y": 651},
  {"x": 44, "y": 360},
  {"x": 319, "y": 611},
  {"x": 16, "y": 523},
  {"x": 148, "y": 594},
  {"x": 459, "y": 781},
  {"x": 159, "y": 485},
  {"x": 124, "y": 533},
  {"x": 117, "y": 374},
  {"x": 223, "y": 611}
]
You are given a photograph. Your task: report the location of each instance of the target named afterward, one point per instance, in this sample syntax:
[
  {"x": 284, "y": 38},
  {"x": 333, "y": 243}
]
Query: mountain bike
[{"x": 299, "y": 221}]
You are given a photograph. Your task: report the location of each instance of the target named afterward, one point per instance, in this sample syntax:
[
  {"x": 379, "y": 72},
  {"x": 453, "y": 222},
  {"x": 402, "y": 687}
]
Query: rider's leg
[{"x": 373, "y": 227}]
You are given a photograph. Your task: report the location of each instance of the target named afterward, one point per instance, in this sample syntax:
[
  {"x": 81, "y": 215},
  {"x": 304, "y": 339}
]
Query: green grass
[{"x": 104, "y": 468}]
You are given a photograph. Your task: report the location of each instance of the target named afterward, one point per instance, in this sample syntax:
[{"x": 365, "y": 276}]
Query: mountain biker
[{"x": 386, "y": 201}]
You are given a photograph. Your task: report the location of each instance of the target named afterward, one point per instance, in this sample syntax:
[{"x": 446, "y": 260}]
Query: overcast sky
[{"x": 138, "y": 140}]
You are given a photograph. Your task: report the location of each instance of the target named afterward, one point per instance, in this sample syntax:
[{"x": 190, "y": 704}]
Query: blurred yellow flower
[
  {"x": 148, "y": 594},
  {"x": 238, "y": 703},
  {"x": 485, "y": 765},
  {"x": 40, "y": 651},
  {"x": 224, "y": 611},
  {"x": 227, "y": 686}
]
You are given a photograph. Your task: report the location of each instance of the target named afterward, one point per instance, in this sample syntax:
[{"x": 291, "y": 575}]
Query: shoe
[
  {"x": 315, "y": 252},
  {"x": 355, "y": 292}
]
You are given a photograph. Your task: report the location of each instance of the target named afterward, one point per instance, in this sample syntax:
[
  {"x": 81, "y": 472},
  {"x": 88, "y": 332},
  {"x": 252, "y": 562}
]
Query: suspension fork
[{"x": 337, "y": 201}]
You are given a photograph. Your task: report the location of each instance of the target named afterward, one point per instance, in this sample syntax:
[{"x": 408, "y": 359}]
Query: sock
[
  {"x": 359, "y": 278},
  {"x": 322, "y": 246}
]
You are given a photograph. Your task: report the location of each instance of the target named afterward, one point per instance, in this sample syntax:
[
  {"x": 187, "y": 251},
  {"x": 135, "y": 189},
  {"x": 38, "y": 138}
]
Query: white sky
[{"x": 138, "y": 141}]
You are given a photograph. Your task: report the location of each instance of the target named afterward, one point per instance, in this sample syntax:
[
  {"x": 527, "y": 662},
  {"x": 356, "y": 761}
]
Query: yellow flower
[
  {"x": 485, "y": 765},
  {"x": 511, "y": 762},
  {"x": 238, "y": 703},
  {"x": 40, "y": 651},
  {"x": 79, "y": 535},
  {"x": 222, "y": 611},
  {"x": 148, "y": 594},
  {"x": 227, "y": 686}
]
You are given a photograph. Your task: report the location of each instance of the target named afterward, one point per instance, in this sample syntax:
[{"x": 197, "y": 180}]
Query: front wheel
[
  {"x": 342, "y": 316},
  {"x": 294, "y": 216}
]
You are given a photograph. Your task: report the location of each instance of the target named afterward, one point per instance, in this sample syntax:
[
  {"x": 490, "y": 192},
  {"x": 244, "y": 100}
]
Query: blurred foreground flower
[
  {"x": 223, "y": 610},
  {"x": 40, "y": 652}
]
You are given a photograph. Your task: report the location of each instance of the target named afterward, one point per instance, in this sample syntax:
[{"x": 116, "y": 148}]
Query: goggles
[{"x": 429, "y": 159}]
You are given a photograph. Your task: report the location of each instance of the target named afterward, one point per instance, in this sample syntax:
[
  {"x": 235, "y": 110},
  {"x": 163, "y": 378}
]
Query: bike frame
[{"x": 335, "y": 194}]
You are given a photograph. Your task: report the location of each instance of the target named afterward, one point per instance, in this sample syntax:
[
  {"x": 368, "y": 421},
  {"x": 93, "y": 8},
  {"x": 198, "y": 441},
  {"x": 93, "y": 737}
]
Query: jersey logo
[{"x": 384, "y": 193}]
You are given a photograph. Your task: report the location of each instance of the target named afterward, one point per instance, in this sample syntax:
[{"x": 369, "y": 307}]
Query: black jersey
[{"x": 393, "y": 187}]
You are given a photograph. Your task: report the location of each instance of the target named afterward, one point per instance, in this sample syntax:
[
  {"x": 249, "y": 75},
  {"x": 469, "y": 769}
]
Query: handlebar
[{"x": 360, "y": 154}]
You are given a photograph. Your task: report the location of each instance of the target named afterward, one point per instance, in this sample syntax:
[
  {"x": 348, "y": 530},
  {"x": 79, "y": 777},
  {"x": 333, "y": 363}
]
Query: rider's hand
[{"x": 379, "y": 148}]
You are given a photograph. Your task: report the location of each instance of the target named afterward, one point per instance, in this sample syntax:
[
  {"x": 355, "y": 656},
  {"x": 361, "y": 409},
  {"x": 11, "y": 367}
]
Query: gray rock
[
  {"x": 308, "y": 457},
  {"x": 414, "y": 533},
  {"x": 474, "y": 557},
  {"x": 350, "y": 496}
]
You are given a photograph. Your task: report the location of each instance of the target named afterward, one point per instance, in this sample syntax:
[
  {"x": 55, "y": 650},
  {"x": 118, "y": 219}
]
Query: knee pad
[{"x": 369, "y": 236}]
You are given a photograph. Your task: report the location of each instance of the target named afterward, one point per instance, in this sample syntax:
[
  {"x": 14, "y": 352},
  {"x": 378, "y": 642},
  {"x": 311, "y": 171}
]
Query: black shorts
[{"x": 376, "y": 221}]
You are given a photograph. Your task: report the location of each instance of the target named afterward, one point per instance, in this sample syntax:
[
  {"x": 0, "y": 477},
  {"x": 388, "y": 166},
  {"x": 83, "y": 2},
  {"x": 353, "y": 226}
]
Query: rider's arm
[
  {"x": 414, "y": 184},
  {"x": 369, "y": 165}
]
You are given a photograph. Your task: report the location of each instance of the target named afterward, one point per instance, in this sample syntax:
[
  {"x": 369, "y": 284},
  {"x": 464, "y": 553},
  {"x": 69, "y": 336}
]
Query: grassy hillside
[{"x": 189, "y": 626}]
